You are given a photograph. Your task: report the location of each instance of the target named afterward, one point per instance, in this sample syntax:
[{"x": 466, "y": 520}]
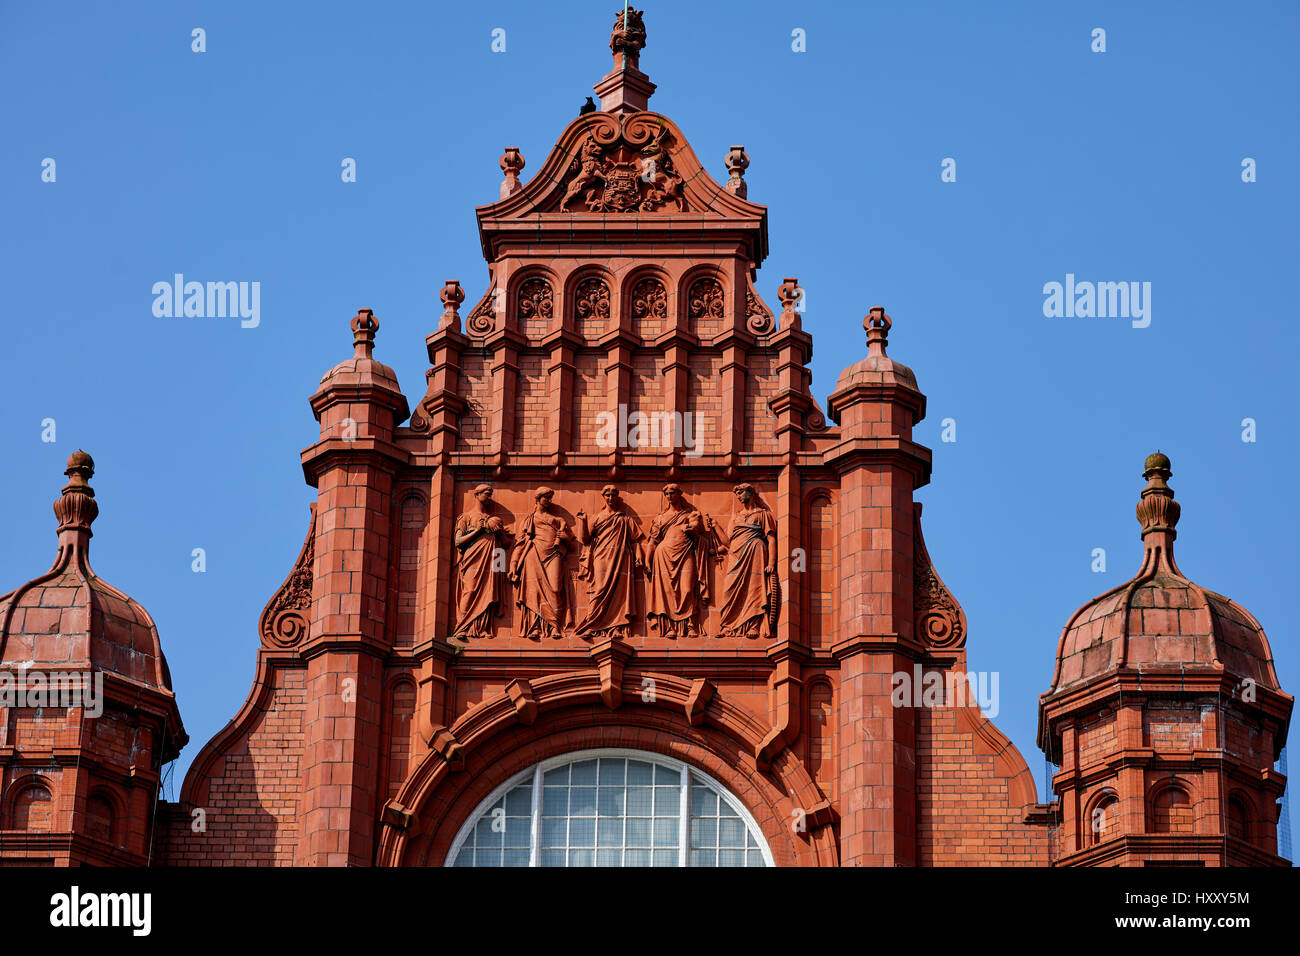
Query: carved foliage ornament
[
  {"x": 592, "y": 299},
  {"x": 285, "y": 618},
  {"x": 940, "y": 621},
  {"x": 649, "y": 300},
  {"x": 707, "y": 299}
]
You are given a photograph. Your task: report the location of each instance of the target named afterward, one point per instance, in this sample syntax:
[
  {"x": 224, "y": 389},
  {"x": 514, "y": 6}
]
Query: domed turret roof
[
  {"x": 362, "y": 369},
  {"x": 70, "y": 618},
  {"x": 877, "y": 368},
  {"x": 1160, "y": 620}
]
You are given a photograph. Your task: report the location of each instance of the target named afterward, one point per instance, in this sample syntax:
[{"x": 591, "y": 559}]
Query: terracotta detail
[
  {"x": 537, "y": 569},
  {"x": 611, "y": 557},
  {"x": 679, "y": 550},
  {"x": 751, "y": 597},
  {"x": 479, "y": 538},
  {"x": 285, "y": 619}
]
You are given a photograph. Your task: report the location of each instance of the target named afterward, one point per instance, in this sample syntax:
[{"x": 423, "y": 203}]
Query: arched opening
[
  {"x": 610, "y": 808},
  {"x": 1171, "y": 811},
  {"x": 1103, "y": 819}
]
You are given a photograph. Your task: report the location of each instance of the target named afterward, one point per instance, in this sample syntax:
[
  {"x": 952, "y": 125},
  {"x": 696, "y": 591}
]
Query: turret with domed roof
[
  {"x": 1165, "y": 716},
  {"x": 91, "y": 714}
]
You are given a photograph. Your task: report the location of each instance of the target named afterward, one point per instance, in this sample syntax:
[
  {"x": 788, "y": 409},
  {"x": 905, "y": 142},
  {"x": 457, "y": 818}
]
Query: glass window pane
[
  {"x": 554, "y": 831},
  {"x": 636, "y": 857},
  {"x": 584, "y": 773},
  {"x": 557, "y": 777},
  {"x": 667, "y": 776},
  {"x": 704, "y": 858},
  {"x": 640, "y": 802},
  {"x": 704, "y": 832},
  {"x": 668, "y": 800},
  {"x": 610, "y": 832},
  {"x": 639, "y": 773},
  {"x": 610, "y": 802},
  {"x": 665, "y": 858},
  {"x": 484, "y": 834},
  {"x": 519, "y": 801},
  {"x": 612, "y": 772},
  {"x": 609, "y": 857},
  {"x": 582, "y": 801},
  {"x": 731, "y": 832},
  {"x": 555, "y": 801},
  {"x": 703, "y": 800},
  {"x": 518, "y": 831},
  {"x": 582, "y": 831},
  {"x": 515, "y": 858},
  {"x": 638, "y": 831},
  {"x": 755, "y": 857},
  {"x": 582, "y": 858},
  {"x": 552, "y": 858},
  {"x": 731, "y": 858},
  {"x": 665, "y": 832}
]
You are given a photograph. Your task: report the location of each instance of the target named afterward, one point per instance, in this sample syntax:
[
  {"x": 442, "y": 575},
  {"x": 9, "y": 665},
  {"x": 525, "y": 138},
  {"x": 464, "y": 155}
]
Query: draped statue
[
  {"x": 537, "y": 569},
  {"x": 479, "y": 537},
  {"x": 611, "y": 554},
  {"x": 677, "y": 554},
  {"x": 751, "y": 595}
]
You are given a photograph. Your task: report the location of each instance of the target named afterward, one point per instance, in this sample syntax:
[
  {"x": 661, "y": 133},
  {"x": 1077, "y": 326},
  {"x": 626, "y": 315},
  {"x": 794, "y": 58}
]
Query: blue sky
[{"x": 1115, "y": 166}]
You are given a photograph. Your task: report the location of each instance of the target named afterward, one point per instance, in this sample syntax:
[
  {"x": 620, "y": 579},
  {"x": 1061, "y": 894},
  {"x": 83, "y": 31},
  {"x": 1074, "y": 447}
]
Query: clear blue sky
[{"x": 1115, "y": 166}]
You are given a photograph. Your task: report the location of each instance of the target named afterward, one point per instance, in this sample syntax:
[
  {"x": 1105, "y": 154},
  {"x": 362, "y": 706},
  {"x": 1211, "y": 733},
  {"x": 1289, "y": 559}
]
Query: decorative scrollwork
[
  {"x": 592, "y": 305},
  {"x": 649, "y": 300},
  {"x": 286, "y": 617},
  {"x": 707, "y": 304},
  {"x": 536, "y": 305},
  {"x": 757, "y": 316},
  {"x": 483, "y": 319}
]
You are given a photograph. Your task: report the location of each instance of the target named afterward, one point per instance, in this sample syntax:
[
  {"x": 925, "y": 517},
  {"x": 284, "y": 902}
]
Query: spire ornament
[{"x": 364, "y": 327}]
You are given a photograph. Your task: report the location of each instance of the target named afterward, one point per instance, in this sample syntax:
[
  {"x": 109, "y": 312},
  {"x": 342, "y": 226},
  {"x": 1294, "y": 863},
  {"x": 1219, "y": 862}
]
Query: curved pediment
[{"x": 630, "y": 164}]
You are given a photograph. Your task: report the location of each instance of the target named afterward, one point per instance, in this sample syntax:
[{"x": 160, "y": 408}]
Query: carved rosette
[
  {"x": 286, "y": 617},
  {"x": 649, "y": 305},
  {"x": 940, "y": 620},
  {"x": 591, "y": 306},
  {"x": 535, "y": 308},
  {"x": 707, "y": 306},
  {"x": 757, "y": 316}
]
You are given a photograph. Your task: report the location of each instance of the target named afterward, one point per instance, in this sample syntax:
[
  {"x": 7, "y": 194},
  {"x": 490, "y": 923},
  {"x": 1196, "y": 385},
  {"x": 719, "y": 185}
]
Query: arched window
[
  {"x": 1171, "y": 811},
  {"x": 610, "y": 808}
]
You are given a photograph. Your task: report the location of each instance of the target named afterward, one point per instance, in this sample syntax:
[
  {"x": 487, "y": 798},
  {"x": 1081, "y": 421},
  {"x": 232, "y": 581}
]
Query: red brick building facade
[{"x": 615, "y": 591}]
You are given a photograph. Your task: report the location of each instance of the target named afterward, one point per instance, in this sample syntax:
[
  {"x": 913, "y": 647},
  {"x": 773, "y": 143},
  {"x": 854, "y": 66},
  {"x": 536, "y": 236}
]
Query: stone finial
[
  {"x": 791, "y": 294},
  {"x": 364, "y": 327},
  {"x": 737, "y": 162},
  {"x": 76, "y": 508},
  {"x": 452, "y": 295},
  {"x": 877, "y": 324},
  {"x": 1157, "y": 511},
  {"x": 625, "y": 89},
  {"x": 512, "y": 164},
  {"x": 627, "y": 39}
]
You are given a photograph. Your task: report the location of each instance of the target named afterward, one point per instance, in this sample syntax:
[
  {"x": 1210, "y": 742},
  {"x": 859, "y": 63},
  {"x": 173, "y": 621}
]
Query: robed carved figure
[
  {"x": 479, "y": 537},
  {"x": 678, "y": 552},
  {"x": 611, "y": 553},
  {"x": 749, "y": 597},
  {"x": 537, "y": 568}
]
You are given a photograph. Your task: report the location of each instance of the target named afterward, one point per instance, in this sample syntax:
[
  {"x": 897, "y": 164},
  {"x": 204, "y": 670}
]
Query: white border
[{"x": 537, "y": 769}]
